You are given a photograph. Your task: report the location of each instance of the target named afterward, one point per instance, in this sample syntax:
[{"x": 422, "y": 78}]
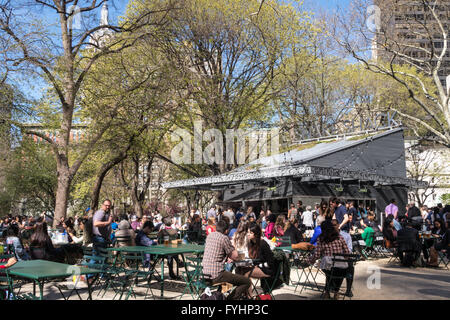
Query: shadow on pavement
[
  {"x": 435, "y": 292},
  {"x": 411, "y": 274}
]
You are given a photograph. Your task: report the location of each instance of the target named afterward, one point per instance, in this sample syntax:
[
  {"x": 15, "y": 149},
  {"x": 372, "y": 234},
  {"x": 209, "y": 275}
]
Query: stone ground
[{"x": 374, "y": 280}]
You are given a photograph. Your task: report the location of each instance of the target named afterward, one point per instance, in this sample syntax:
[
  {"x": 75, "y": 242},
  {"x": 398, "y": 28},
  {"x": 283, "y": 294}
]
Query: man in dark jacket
[
  {"x": 413, "y": 211},
  {"x": 409, "y": 246}
]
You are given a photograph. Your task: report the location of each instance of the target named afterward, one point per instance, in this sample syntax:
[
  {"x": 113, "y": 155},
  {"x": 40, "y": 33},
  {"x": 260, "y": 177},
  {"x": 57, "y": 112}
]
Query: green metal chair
[
  {"x": 196, "y": 281},
  {"x": 9, "y": 285},
  {"x": 271, "y": 283},
  {"x": 128, "y": 273},
  {"x": 285, "y": 241}
]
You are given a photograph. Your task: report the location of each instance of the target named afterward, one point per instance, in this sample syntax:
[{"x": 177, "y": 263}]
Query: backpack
[{"x": 208, "y": 295}]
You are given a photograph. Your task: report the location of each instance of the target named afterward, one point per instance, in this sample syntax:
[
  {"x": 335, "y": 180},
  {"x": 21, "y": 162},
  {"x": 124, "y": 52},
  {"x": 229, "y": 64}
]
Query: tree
[
  {"x": 30, "y": 179},
  {"x": 385, "y": 41},
  {"x": 63, "y": 57},
  {"x": 225, "y": 56},
  {"x": 421, "y": 165}
]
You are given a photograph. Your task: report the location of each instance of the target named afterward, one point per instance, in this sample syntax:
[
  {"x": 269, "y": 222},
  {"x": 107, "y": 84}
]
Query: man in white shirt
[
  {"x": 230, "y": 215},
  {"x": 307, "y": 218}
]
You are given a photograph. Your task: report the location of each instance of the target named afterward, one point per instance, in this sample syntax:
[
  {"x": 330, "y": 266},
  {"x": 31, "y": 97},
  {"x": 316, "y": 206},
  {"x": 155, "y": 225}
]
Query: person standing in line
[
  {"x": 292, "y": 213},
  {"x": 307, "y": 218},
  {"x": 340, "y": 214},
  {"x": 101, "y": 230},
  {"x": 391, "y": 209},
  {"x": 299, "y": 211},
  {"x": 230, "y": 214}
]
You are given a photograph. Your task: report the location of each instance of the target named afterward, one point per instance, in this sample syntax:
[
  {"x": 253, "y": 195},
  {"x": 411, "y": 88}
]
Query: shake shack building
[{"x": 368, "y": 169}]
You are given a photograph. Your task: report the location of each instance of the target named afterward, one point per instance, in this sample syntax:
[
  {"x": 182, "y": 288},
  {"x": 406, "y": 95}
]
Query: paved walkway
[{"x": 374, "y": 280}]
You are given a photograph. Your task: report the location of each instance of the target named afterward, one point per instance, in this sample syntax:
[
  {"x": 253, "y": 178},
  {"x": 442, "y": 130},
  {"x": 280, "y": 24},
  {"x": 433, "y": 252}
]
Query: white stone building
[{"x": 430, "y": 164}]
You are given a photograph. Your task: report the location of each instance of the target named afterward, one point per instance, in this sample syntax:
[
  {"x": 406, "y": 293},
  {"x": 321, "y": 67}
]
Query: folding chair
[
  {"x": 8, "y": 285},
  {"x": 197, "y": 282},
  {"x": 125, "y": 240},
  {"x": 271, "y": 283},
  {"x": 443, "y": 256},
  {"x": 299, "y": 263},
  {"x": 351, "y": 260},
  {"x": 393, "y": 255},
  {"x": 194, "y": 279},
  {"x": 379, "y": 247},
  {"x": 131, "y": 274},
  {"x": 285, "y": 241}
]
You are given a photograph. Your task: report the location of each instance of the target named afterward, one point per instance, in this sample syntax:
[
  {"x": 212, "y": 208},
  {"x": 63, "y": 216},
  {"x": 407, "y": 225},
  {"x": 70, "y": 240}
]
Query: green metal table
[
  {"x": 161, "y": 252},
  {"x": 41, "y": 270}
]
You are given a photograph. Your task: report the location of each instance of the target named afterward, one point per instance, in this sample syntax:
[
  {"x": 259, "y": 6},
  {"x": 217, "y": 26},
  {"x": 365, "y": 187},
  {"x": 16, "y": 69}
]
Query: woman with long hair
[
  {"x": 439, "y": 228},
  {"x": 259, "y": 250},
  {"x": 291, "y": 230},
  {"x": 270, "y": 230},
  {"x": 41, "y": 246},
  {"x": 239, "y": 239},
  {"x": 389, "y": 232},
  {"x": 330, "y": 242},
  {"x": 279, "y": 225},
  {"x": 324, "y": 210}
]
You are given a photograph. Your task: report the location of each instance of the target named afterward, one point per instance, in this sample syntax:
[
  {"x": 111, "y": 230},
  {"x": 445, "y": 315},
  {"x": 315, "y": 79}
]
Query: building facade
[
  {"x": 369, "y": 170},
  {"x": 413, "y": 30},
  {"x": 429, "y": 163}
]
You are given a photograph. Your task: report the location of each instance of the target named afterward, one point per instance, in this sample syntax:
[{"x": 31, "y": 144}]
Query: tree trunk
[
  {"x": 138, "y": 210},
  {"x": 95, "y": 195},
  {"x": 62, "y": 194}
]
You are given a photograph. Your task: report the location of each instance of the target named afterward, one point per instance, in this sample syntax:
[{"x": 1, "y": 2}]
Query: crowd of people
[{"x": 233, "y": 235}]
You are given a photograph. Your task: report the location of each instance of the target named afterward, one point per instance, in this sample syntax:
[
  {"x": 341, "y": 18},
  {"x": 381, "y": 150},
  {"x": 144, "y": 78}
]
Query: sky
[{"x": 118, "y": 7}]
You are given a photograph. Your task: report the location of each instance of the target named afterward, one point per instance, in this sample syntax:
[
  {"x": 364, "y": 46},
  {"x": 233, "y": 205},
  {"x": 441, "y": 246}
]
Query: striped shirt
[{"x": 217, "y": 249}]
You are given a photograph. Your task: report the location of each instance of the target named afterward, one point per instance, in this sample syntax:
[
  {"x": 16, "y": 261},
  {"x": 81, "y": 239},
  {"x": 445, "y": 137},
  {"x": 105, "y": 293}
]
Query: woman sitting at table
[
  {"x": 125, "y": 235},
  {"x": 443, "y": 244},
  {"x": 437, "y": 232},
  {"x": 170, "y": 234},
  {"x": 439, "y": 228},
  {"x": 259, "y": 249},
  {"x": 270, "y": 230},
  {"x": 41, "y": 246},
  {"x": 330, "y": 242},
  {"x": 240, "y": 238},
  {"x": 279, "y": 225},
  {"x": 291, "y": 230},
  {"x": 390, "y": 233},
  {"x": 13, "y": 239}
]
